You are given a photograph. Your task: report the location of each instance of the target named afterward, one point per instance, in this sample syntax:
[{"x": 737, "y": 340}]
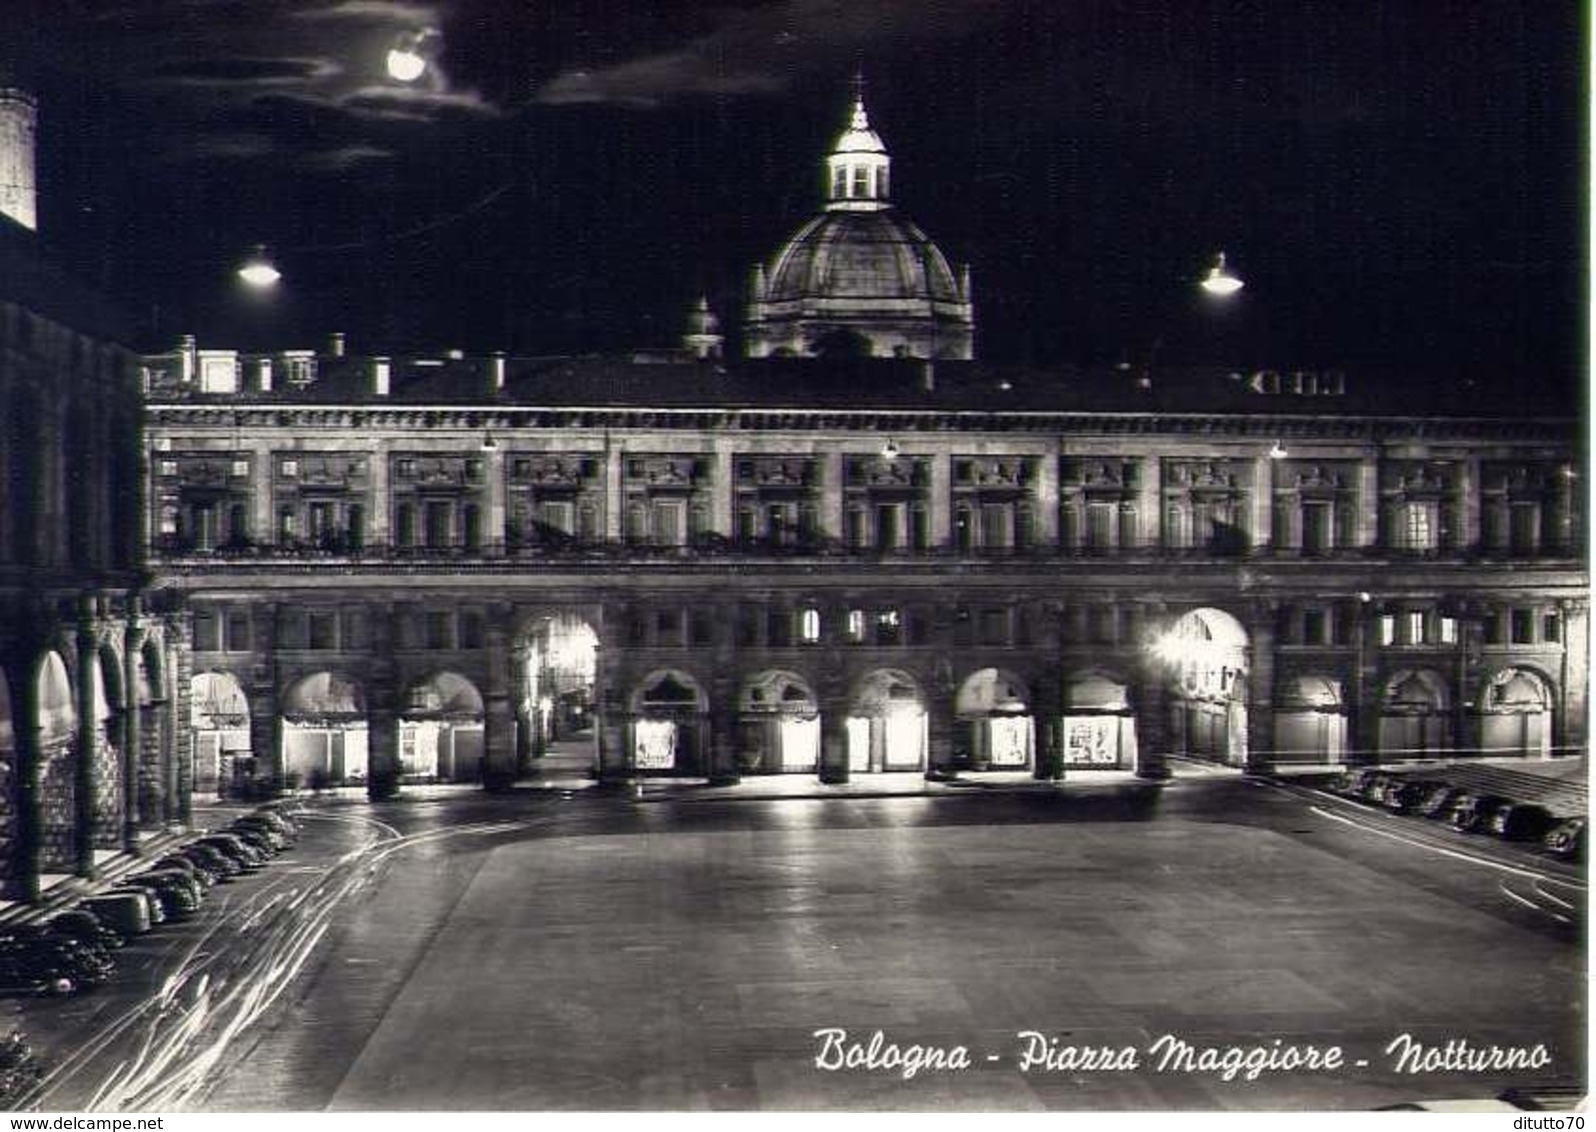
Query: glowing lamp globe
[{"x": 1219, "y": 281}]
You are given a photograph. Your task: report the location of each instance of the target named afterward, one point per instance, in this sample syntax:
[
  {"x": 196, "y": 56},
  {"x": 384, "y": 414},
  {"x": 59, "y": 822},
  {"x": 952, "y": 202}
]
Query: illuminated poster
[
  {"x": 1091, "y": 741},
  {"x": 656, "y": 744},
  {"x": 1010, "y": 740}
]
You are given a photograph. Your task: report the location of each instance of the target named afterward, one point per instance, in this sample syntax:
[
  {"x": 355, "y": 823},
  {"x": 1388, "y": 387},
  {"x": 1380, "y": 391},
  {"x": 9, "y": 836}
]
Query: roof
[
  {"x": 886, "y": 384},
  {"x": 881, "y": 256}
]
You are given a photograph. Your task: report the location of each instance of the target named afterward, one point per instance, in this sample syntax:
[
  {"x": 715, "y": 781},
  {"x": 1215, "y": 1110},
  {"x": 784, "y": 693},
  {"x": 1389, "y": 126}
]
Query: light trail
[{"x": 220, "y": 989}]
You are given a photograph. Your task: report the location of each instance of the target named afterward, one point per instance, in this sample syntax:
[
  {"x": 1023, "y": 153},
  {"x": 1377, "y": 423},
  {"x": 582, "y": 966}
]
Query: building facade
[
  {"x": 91, "y": 760},
  {"x": 425, "y": 568},
  {"x": 856, "y": 550}
]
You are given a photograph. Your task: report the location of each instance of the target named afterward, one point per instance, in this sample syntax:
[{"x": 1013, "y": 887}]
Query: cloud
[
  {"x": 762, "y": 50},
  {"x": 242, "y": 72},
  {"x": 408, "y": 15},
  {"x": 347, "y": 157}
]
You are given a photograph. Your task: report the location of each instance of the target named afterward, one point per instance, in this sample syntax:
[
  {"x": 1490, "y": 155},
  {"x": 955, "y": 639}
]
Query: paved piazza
[{"x": 685, "y": 960}]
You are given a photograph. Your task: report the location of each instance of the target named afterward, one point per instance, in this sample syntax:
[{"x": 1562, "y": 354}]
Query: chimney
[
  {"x": 188, "y": 351},
  {"x": 335, "y": 344},
  {"x": 265, "y": 375},
  {"x": 381, "y": 369},
  {"x": 496, "y": 365}
]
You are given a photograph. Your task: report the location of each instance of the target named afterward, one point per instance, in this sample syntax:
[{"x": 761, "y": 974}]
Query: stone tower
[{"x": 19, "y": 115}]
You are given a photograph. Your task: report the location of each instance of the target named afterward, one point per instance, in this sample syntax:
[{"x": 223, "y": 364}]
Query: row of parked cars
[
  {"x": 71, "y": 951},
  {"x": 1465, "y": 809}
]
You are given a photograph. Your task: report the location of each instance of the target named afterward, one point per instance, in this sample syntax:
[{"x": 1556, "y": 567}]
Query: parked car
[
  {"x": 248, "y": 857},
  {"x": 80, "y": 923},
  {"x": 268, "y": 841},
  {"x": 176, "y": 891},
  {"x": 1375, "y": 786},
  {"x": 1439, "y": 802},
  {"x": 1522, "y": 821},
  {"x": 152, "y": 903},
  {"x": 1350, "y": 783},
  {"x": 1407, "y": 795},
  {"x": 1473, "y": 812},
  {"x": 1567, "y": 839},
  {"x": 278, "y": 819},
  {"x": 38, "y": 963},
  {"x": 128, "y": 913},
  {"x": 204, "y": 876},
  {"x": 208, "y": 857}
]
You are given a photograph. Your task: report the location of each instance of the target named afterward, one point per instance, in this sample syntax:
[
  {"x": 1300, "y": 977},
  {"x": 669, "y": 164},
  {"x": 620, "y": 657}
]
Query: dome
[
  {"x": 861, "y": 255},
  {"x": 860, "y": 276}
]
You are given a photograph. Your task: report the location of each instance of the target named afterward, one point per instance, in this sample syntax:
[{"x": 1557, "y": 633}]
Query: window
[
  {"x": 702, "y": 630},
  {"x": 436, "y": 520},
  {"x": 436, "y": 630},
  {"x": 1449, "y": 630},
  {"x": 1415, "y": 628},
  {"x": 778, "y": 628},
  {"x": 471, "y": 630},
  {"x": 889, "y": 627},
  {"x": 1550, "y": 629},
  {"x": 856, "y": 625},
  {"x": 861, "y": 181},
  {"x": 809, "y": 626},
  {"x": 1314, "y": 624},
  {"x": 1387, "y": 629},
  {"x": 748, "y": 626},
  {"x": 668, "y": 628},
  {"x": 290, "y": 468},
  {"x": 1523, "y": 627},
  {"x": 240, "y": 468},
  {"x": 404, "y": 525},
  {"x": 323, "y": 631},
  {"x": 168, "y": 467},
  {"x": 994, "y": 627},
  {"x": 205, "y": 632},
  {"x": 1419, "y": 526},
  {"x": 237, "y": 635}
]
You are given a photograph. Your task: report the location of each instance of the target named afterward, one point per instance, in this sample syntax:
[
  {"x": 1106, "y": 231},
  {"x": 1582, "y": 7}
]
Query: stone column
[
  {"x": 86, "y": 742},
  {"x": 832, "y": 694},
  {"x": 941, "y": 498},
  {"x": 614, "y": 461},
  {"x": 1261, "y": 687},
  {"x": 1263, "y": 503},
  {"x": 262, "y": 523},
  {"x": 379, "y": 530},
  {"x": 831, "y": 517},
  {"x": 1571, "y": 723},
  {"x": 1367, "y": 504},
  {"x": 132, "y": 738},
  {"x": 22, "y": 878},
  {"x": 1363, "y": 688},
  {"x": 1468, "y": 499},
  {"x": 493, "y": 543},
  {"x": 382, "y": 746},
  {"x": 1153, "y": 739},
  {"x": 1047, "y": 709},
  {"x": 498, "y": 743},
  {"x": 1150, "y": 502},
  {"x": 1045, "y": 501},
  {"x": 500, "y": 759},
  {"x": 721, "y": 520},
  {"x": 939, "y": 731}
]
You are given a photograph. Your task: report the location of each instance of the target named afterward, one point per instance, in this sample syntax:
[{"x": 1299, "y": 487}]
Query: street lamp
[
  {"x": 1220, "y": 284},
  {"x": 1220, "y": 281},
  {"x": 258, "y": 271}
]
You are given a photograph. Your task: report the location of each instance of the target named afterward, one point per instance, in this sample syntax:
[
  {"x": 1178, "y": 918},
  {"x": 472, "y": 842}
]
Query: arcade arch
[
  {"x": 1516, "y": 714},
  {"x": 1099, "y": 727},
  {"x": 56, "y": 774},
  {"x": 441, "y": 730},
  {"x": 993, "y": 722},
  {"x": 1414, "y": 716},
  {"x": 1206, "y": 653},
  {"x": 325, "y": 735},
  {"x": 668, "y": 724},
  {"x": 1310, "y": 721},
  {"x": 887, "y": 724},
  {"x": 778, "y": 721},
  {"x": 219, "y": 715}
]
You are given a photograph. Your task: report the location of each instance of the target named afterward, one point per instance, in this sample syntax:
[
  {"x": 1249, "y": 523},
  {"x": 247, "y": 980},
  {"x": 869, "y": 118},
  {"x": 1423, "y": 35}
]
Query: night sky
[{"x": 1402, "y": 184}]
